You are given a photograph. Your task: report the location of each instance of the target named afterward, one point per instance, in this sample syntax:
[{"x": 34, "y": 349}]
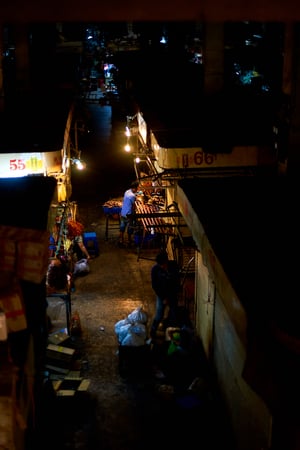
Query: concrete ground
[{"x": 128, "y": 404}]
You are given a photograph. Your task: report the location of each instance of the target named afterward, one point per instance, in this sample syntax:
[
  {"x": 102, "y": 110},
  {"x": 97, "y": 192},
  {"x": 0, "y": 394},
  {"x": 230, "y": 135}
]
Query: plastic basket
[
  {"x": 111, "y": 211},
  {"x": 91, "y": 243}
]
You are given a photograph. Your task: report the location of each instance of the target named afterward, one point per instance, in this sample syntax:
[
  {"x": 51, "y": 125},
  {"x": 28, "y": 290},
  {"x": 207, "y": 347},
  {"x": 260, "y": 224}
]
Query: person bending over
[{"x": 165, "y": 285}]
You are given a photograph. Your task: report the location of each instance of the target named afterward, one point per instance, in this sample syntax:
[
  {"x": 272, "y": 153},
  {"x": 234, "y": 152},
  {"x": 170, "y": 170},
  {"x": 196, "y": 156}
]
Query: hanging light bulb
[
  {"x": 80, "y": 165},
  {"x": 127, "y": 148}
]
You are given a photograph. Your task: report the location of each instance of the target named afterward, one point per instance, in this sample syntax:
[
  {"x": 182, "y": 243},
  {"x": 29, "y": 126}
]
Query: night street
[{"x": 132, "y": 408}]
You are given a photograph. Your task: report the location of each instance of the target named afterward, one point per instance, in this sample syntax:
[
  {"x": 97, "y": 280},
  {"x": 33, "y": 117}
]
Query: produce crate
[
  {"x": 91, "y": 243},
  {"x": 111, "y": 211},
  {"x": 112, "y": 215}
]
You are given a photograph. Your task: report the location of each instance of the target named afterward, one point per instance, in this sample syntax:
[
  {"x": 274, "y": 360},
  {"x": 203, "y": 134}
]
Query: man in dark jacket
[{"x": 165, "y": 285}]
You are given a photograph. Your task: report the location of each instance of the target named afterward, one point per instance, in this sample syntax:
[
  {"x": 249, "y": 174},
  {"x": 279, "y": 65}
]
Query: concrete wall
[{"x": 221, "y": 324}]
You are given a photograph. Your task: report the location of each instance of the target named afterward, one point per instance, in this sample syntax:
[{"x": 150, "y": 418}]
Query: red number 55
[{"x": 16, "y": 164}]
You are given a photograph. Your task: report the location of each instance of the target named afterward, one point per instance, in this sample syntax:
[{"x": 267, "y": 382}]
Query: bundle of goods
[
  {"x": 133, "y": 352},
  {"x": 81, "y": 267},
  {"x": 132, "y": 331},
  {"x": 156, "y": 200}
]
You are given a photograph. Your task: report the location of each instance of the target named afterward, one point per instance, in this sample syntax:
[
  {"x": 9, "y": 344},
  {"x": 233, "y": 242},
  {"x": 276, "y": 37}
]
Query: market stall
[
  {"x": 112, "y": 211},
  {"x": 61, "y": 263},
  {"x": 155, "y": 222}
]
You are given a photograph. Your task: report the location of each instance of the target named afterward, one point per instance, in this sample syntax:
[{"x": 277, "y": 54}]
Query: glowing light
[
  {"x": 80, "y": 165},
  {"x": 127, "y": 148}
]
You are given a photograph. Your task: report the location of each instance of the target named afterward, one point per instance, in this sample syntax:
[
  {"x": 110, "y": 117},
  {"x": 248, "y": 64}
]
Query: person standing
[
  {"x": 127, "y": 211},
  {"x": 165, "y": 284}
]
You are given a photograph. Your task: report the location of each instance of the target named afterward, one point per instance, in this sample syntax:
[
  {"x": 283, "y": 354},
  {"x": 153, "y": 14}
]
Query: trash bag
[
  {"x": 122, "y": 331},
  {"x": 119, "y": 325},
  {"x": 139, "y": 329},
  {"x": 138, "y": 315},
  {"x": 131, "y": 334},
  {"x": 81, "y": 267},
  {"x": 133, "y": 340}
]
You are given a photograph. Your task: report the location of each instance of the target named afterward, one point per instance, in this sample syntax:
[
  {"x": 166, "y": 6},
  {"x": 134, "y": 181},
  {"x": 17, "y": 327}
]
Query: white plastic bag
[
  {"x": 121, "y": 329},
  {"x": 139, "y": 329},
  {"x": 120, "y": 324},
  {"x": 133, "y": 340},
  {"x": 81, "y": 267},
  {"x": 138, "y": 315}
]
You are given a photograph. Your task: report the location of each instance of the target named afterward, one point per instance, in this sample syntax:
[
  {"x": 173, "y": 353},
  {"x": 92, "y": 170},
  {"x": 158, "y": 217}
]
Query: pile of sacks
[{"x": 132, "y": 331}]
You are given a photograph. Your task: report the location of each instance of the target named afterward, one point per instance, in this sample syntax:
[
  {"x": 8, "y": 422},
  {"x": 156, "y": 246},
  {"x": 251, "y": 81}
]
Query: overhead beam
[{"x": 142, "y": 10}]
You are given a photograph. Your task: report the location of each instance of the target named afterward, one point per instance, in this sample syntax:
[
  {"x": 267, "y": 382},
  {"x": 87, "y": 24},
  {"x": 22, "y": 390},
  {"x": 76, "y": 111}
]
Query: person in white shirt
[{"x": 127, "y": 211}]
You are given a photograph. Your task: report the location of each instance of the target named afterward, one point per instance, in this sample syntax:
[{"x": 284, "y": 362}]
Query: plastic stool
[{"x": 91, "y": 243}]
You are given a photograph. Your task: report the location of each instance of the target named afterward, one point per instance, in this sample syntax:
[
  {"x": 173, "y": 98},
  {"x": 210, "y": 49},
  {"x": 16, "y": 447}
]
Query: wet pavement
[{"x": 128, "y": 404}]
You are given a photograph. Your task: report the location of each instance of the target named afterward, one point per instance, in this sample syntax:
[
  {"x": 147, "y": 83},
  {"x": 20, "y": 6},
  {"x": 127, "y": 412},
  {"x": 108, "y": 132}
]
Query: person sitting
[{"x": 79, "y": 249}]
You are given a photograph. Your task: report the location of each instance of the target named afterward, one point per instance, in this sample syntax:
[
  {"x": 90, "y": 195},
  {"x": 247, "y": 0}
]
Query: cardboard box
[
  {"x": 71, "y": 384},
  {"x": 59, "y": 358}
]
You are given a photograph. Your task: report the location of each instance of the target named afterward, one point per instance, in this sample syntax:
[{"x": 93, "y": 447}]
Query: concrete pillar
[
  {"x": 1, "y": 68},
  {"x": 291, "y": 87},
  {"x": 22, "y": 57},
  {"x": 287, "y": 59}
]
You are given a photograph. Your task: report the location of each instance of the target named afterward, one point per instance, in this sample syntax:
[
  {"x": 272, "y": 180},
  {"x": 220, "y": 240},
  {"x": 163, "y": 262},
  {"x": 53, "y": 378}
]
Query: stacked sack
[{"x": 132, "y": 330}]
